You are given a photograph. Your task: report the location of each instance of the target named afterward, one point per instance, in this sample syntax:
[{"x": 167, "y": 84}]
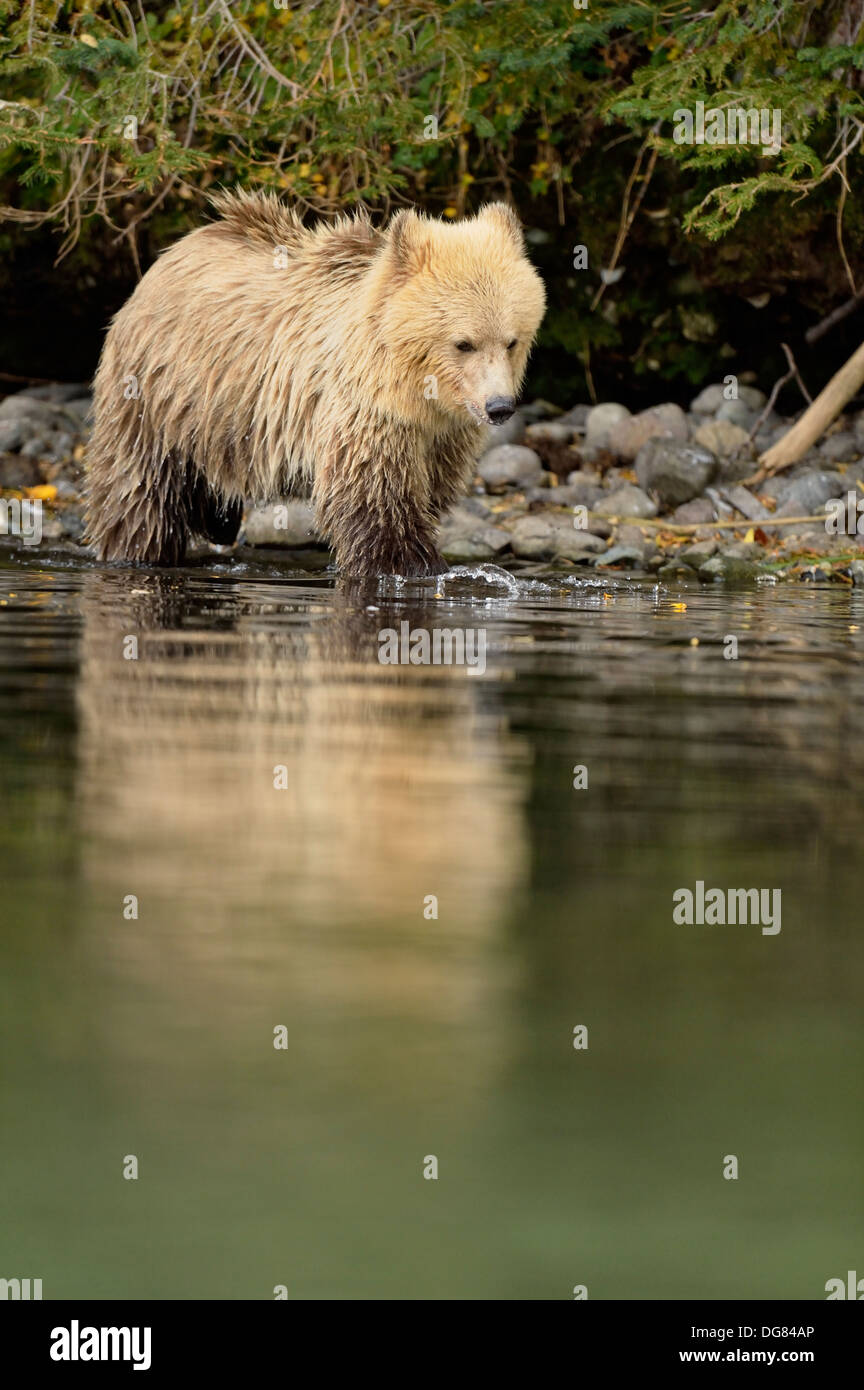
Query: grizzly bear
[{"x": 258, "y": 355}]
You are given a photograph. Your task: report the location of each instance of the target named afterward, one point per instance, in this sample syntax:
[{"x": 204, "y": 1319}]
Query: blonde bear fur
[{"x": 257, "y": 355}]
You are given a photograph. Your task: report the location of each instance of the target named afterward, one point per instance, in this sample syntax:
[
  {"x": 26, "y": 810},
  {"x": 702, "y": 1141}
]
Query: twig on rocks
[{"x": 739, "y": 525}]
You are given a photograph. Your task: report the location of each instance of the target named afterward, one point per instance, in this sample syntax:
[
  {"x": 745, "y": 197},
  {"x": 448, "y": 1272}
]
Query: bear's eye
[
  {"x": 510, "y": 346},
  {"x": 465, "y": 346}
]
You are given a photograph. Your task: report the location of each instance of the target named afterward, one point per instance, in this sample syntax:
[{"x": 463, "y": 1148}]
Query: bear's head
[{"x": 460, "y": 308}]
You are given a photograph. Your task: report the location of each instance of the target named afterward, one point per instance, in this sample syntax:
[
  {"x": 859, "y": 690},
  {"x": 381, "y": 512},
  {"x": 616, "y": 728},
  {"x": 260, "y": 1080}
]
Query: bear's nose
[{"x": 500, "y": 408}]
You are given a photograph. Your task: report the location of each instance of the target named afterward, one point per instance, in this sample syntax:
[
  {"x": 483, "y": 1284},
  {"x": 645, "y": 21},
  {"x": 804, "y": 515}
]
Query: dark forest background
[{"x": 117, "y": 118}]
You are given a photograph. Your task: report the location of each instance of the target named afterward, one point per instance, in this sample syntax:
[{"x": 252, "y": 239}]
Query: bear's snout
[{"x": 500, "y": 408}]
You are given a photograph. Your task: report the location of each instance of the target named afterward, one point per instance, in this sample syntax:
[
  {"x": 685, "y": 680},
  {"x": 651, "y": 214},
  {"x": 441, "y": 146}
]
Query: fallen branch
[
  {"x": 815, "y": 420},
  {"x": 740, "y": 525}
]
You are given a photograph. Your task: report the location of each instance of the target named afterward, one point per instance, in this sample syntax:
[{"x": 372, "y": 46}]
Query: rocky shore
[{"x": 663, "y": 492}]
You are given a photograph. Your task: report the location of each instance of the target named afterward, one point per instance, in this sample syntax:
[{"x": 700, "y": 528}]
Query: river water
[{"x": 225, "y": 825}]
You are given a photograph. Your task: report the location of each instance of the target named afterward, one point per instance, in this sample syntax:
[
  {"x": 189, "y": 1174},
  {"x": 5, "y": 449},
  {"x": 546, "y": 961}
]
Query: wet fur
[{"x": 257, "y": 354}]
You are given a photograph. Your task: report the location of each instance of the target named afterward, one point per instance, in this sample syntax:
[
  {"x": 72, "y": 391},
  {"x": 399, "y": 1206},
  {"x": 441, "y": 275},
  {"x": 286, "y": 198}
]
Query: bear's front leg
[{"x": 377, "y": 520}]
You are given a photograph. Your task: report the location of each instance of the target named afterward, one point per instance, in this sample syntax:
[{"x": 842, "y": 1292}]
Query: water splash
[
  {"x": 489, "y": 574},
  {"x": 469, "y": 581}
]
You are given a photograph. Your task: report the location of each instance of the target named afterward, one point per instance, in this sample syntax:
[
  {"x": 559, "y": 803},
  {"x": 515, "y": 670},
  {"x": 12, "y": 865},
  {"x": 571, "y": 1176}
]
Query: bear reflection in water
[{"x": 260, "y": 772}]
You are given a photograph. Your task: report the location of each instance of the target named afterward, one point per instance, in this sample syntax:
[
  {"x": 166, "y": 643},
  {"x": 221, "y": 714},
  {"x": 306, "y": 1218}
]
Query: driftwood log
[{"x": 816, "y": 418}]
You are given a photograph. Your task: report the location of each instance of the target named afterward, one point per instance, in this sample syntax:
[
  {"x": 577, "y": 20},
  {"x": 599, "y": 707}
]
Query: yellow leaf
[
  {"x": 89, "y": 40},
  {"x": 45, "y": 492},
  {"x": 751, "y": 535}
]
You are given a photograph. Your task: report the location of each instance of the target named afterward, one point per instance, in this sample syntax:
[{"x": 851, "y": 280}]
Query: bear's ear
[
  {"x": 409, "y": 242},
  {"x": 504, "y": 217}
]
